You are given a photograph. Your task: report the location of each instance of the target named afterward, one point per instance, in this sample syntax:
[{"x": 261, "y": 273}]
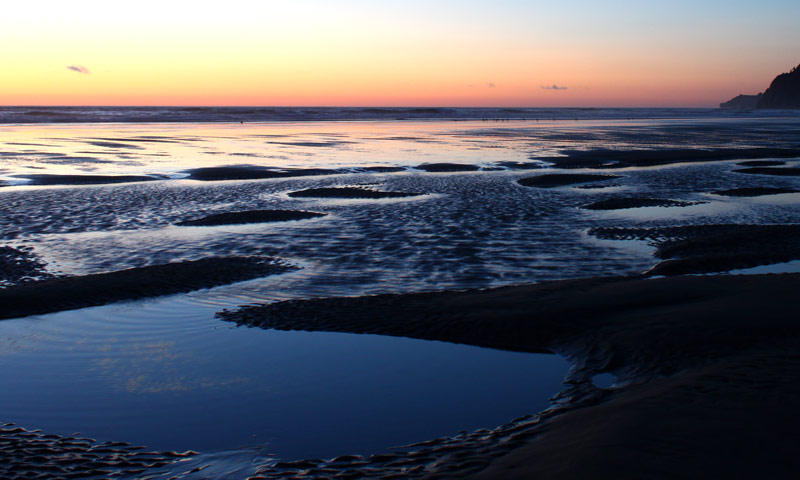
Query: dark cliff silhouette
[
  {"x": 742, "y": 101},
  {"x": 783, "y": 92}
]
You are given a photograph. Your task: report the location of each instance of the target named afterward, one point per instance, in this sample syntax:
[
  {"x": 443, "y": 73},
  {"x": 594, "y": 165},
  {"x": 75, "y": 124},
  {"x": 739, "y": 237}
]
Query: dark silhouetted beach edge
[
  {"x": 67, "y": 293},
  {"x": 707, "y": 369}
]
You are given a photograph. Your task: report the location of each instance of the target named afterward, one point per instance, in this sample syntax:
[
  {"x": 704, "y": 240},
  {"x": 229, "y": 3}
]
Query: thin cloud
[
  {"x": 491, "y": 85},
  {"x": 553, "y": 87},
  {"x": 79, "y": 69}
]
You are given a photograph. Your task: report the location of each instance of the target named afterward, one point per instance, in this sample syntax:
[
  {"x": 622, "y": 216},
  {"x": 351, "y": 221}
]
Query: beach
[{"x": 219, "y": 297}]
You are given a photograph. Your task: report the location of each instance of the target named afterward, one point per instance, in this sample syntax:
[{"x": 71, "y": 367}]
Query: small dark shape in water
[
  {"x": 761, "y": 163},
  {"x": 447, "y": 167},
  {"x": 551, "y": 180},
  {"x": 637, "y": 202},
  {"x": 713, "y": 248},
  {"x": 68, "y": 293},
  {"x": 521, "y": 165},
  {"x": 782, "y": 172},
  {"x": 348, "y": 192},
  {"x": 48, "y": 179},
  {"x": 754, "y": 191},
  {"x": 608, "y": 158},
  {"x": 252, "y": 172},
  {"x": 251, "y": 216},
  {"x": 312, "y": 144},
  {"x": 105, "y": 144},
  {"x": 382, "y": 169}
]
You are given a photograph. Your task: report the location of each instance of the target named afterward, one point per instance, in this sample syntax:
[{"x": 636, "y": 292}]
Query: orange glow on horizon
[{"x": 442, "y": 53}]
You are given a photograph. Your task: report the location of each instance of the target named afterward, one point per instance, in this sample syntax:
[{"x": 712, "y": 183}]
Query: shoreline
[{"x": 706, "y": 365}]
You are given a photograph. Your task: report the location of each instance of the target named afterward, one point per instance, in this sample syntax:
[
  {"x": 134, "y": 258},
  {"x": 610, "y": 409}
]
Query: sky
[{"x": 372, "y": 53}]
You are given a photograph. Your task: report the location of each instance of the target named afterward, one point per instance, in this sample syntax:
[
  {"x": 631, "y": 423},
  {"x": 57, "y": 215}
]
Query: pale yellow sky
[{"x": 485, "y": 53}]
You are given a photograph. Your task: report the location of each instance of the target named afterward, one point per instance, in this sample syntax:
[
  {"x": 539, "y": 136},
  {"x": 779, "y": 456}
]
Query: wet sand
[
  {"x": 250, "y": 216},
  {"x": 707, "y": 368},
  {"x": 754, "y": 191},
  {"x": 777, "y": 171},
  {"x": 34, "y": 454},
  {"x": 551, "y": 180},
  {"x": 349, "y": 192},
  {"x": 51, "y": 179},
  {"x": 67, "y": 293},
  {"x": 637, "y": 202},
  {"x": 611, "y": 158},
  {"x": 693, "y": 249}
]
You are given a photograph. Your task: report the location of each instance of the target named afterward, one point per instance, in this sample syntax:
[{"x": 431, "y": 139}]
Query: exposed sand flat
[
  {"x": 761, "y": 163},
  {"x": 253, "y": 172},
  {"x": 713, "y": 363},
  {"x": 713, "y": 248},
  {"x": 53, "y": 179},
  {"x": 612, "y": 158},
  {"x": 250, "y": 216},
  {"x": 754, "y": 191},
  {"x": 551, "y": 180},
  {"x": 349, "y": 192},
  {"x": 637, "y": 202},
  {"x": 69, "y": 293},
  {"x": 777, "y": 171},
  {"x": 447, "y": 167}
]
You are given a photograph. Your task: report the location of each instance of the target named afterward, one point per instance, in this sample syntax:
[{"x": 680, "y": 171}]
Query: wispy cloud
[
  {"x": 553, "y": 87},
  {"x": 79, "y": 69},
  {"x": 491, "y": 85}
]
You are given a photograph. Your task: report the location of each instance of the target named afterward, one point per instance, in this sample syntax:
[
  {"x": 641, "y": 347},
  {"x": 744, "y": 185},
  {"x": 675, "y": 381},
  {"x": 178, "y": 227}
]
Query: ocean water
[
  {"x": 473, "y": 228},
  {"x": 53, "y": 114}
]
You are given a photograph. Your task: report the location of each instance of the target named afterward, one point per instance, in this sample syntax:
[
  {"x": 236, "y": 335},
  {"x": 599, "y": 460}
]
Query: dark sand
[
  {"x": 33, "y": 454},
  {"x": 777, "y": 171},
  {"x": 550, "y": 180},
  {"x": 637, "y": 202},
  {"x": 713, "y": 248},
  {"x": 251, "y": 216},
  {"x": 447, "y": 167},
  {"x": 349, "y": 192},
  {"x": 47, "y": 179},
  {"x": 708, "y": 369},
  {"x": 252, "y": 172},
  {"x": 761, "y": 163},
  {"x": 521, "y": 165},
  {"x": 69, "y": 293},
  {"x": 607, "y": 158},
  {"x": 754, "y": 191}
]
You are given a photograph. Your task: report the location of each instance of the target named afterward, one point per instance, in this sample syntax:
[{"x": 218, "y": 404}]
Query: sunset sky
[{"x": 444, "y": 53}]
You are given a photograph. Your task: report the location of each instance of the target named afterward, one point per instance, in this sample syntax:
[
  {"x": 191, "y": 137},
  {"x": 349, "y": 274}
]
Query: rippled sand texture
[
  {"x": 335, "y": 209},
  {"x": 465, "y": 229}
]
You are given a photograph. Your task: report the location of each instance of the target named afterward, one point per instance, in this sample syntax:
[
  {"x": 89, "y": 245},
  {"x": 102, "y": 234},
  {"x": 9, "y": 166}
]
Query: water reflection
[{"x": 173, "y": 378}]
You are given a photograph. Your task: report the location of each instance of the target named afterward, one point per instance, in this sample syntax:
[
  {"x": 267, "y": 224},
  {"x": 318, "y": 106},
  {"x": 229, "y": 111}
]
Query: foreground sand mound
[
  {"x": 69, "y": 293},
  {"x": 707, "y": 368},
  {"x": 713, "y": 248}
]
